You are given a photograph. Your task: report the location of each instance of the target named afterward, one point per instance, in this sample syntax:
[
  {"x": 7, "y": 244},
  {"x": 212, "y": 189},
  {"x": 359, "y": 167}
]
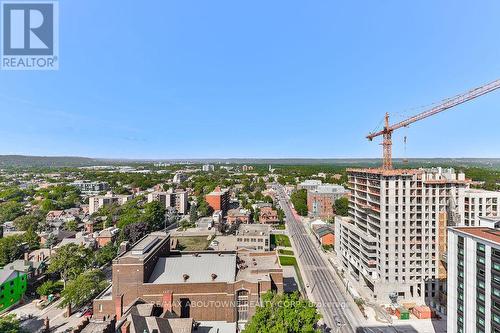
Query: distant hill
[{"x": 23, "y": 161}]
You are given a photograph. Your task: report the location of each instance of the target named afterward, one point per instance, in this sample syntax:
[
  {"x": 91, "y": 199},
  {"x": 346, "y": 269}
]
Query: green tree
[
  {"x": 10, "y": 249},
  {"x": 10, "y": 210},
  {"x": 299, "y": 200},
  {"x": 83, "y": 289},
  {"x": 26, "y": 222},
  {"x": 32, "y": 239},
  {"x": 105, "y": 254},
  {"x": 341, "y": 206},
  {"x": 71, "y": 225},
  {"x": 284, "y": 313},
  {"x": 70, "y": 260},
  {"x": 193, "y": 214},
  {"x": 9, "y": 324},
  {"x": 154, "y": 215},
  {"x": 204, "y": 208},
  {"x": 49, "y": 287},
  {"x": 12, "y": 193}
]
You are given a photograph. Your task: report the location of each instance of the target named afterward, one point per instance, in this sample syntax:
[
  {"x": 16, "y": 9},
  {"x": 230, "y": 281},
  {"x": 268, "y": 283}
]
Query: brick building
[
  {"x": 320, "y": 200},
  {"x": 218, "y": 199},
  {"x": 204, "y": 286},
  {"x": 268, "y": 215},
  {"x": 238, "y": 216}
]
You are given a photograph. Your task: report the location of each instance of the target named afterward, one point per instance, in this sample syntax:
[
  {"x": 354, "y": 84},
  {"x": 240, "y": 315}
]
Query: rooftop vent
[
  {"x": 214, "y": 276},
  {"x": 185, "y": 277}
]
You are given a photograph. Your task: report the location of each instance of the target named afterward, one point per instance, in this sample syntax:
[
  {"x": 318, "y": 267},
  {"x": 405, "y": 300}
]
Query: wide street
[{"x": 337, "y": 311}]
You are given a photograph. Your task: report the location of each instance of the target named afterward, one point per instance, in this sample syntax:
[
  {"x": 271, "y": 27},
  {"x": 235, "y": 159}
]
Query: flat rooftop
[
  {"x": 198, "y": 267},
  {"x": 489, "y": 234},
  {"x": 257, "y": 265},
  {"x": 384, "y": 172},
  {"x": 254, "y": 230}
]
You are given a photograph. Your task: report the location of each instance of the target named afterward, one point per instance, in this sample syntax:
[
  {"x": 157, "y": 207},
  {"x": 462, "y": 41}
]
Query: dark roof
[{"x": 323, "y": 231}]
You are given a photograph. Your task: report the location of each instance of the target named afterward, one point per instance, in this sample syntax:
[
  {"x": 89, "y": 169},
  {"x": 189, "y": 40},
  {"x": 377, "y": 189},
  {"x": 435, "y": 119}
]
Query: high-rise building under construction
[{"x": 394, "y": 240}]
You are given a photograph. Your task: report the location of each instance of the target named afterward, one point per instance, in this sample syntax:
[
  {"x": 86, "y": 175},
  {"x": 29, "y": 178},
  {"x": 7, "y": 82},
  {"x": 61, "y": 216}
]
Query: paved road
[{"x": 331, "y": 302}]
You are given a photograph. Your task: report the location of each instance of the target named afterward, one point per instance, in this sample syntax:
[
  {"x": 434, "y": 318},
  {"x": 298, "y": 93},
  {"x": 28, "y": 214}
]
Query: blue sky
[{"x": 281, "y": 78}]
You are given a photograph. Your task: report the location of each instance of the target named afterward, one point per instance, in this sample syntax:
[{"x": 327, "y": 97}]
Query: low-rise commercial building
[
  {"x": 309, "y": 184},
  {"x": 254, "y": 237}
]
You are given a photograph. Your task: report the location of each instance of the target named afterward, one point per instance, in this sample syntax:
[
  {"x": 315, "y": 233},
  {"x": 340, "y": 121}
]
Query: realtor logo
[{"x": 29, "y": 35}]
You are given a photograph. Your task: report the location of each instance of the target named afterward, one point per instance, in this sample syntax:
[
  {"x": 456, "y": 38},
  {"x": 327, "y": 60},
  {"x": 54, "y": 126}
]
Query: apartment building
[
  {"x": 175, "y": 199},
  {"x": 321, "y": 199},
  {"x": 179, "y": 177},
  {"x": 394, "y": 239},
  {"x": 480, "y": 203},
  {"x": 86, "y": 186},
  {"x": 473, "y": 279},
  {"x": 96, "y": 202},
  {"x": 218, "y": 199},
  {"x": 208, "y": 168}
]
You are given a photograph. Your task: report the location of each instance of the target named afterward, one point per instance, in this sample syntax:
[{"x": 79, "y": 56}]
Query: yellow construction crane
[{"x": 386, "y": 132}]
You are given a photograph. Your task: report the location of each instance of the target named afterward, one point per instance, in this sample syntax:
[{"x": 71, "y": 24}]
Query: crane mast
[{"x": 449, "y": 103}]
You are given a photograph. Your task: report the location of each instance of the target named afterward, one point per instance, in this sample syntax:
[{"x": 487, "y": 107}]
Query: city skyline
[{"x": 280, "y": 80}]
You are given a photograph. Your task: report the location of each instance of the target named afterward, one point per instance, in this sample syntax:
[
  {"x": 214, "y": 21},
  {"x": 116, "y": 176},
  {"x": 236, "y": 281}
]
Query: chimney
[
  {"x": 119, "y": 306},
  {"x": 168, "y": 298},
  {"x": 124, "y": 247},
  {"x": 125, "y": 327}
]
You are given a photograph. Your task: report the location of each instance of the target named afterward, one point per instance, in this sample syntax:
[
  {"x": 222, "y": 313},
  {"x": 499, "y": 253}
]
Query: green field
[
  {"x": 280, "y": 240},
  {"x": 193, "y": 243},
  {"x": 286, "y": 252},
  {"x": 288, "y": 261}
]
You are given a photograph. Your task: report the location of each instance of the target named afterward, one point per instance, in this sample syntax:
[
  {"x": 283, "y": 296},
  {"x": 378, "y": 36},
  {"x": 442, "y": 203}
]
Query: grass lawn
[
  {"x": 288, "y": 261},
  {"x": 286, "y": 252},
  {"x": 280, "y": 227},
  {"x": 280, "y": 240},
  {"x": 193, "y": 243},
  {"x": 291, "y": 261}
]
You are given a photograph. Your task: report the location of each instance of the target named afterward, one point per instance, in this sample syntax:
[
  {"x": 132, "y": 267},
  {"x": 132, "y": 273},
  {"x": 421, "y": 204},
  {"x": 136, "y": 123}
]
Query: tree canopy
[
  {"x": 84, "y": 288},
  {"x": 299, "y": 200},
  {"x": 10, "y": 210},
  {"x": 9, "y": 324},
  {"x": 70, "y": 261},
  {"x": 284, "y": 313},
  {"x": 341, "y": 206}
]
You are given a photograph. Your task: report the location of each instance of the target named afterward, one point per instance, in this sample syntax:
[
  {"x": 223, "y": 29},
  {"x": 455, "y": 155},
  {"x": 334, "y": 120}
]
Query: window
[
  {"x": 242, "y": 305},
  {"x": 185, "y": 307}
]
